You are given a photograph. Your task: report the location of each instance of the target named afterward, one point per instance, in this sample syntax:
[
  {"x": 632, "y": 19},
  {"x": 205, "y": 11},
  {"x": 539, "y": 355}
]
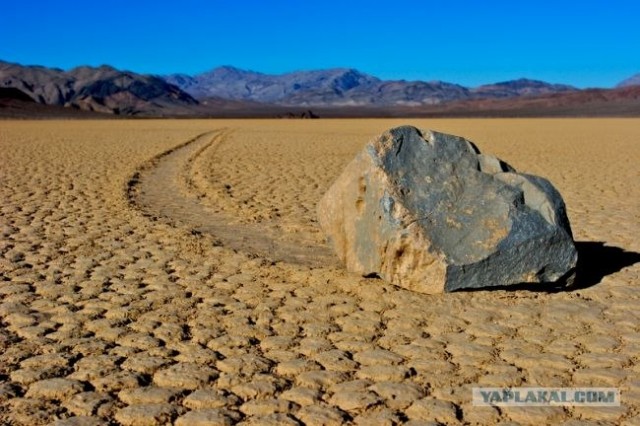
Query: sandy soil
[{"x": 147, "y": 280}]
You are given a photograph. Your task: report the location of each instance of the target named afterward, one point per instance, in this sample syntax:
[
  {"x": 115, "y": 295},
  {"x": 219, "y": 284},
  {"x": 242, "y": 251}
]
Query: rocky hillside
[
  {"x": 345, "y": 87},
  {"x": 233, "y": 83},
  {"x": 101, "y": 89}
]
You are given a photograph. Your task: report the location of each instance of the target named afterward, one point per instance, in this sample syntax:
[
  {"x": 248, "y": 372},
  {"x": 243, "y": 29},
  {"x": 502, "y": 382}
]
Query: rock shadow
[{"x": 595, "y": 261}]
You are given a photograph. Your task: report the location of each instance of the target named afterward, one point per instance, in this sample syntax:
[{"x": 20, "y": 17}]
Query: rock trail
[{"x": 165, "y": 188}]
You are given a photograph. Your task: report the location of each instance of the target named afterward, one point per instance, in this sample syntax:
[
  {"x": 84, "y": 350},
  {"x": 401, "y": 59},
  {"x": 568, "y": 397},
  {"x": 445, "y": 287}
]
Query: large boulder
[{"x": 428, "y": 212}]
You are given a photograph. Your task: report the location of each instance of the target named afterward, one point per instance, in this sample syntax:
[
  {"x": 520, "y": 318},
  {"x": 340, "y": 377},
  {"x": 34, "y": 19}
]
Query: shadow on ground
[{"x": 595, "y": 261}]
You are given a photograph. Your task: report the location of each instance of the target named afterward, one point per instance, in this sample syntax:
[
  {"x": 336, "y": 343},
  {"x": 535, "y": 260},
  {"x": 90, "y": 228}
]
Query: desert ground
[{"x": 172, "y": 271}]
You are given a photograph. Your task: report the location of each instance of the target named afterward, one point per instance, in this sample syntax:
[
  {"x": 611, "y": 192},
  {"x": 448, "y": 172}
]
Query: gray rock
[{"x": 428, "y": 212}]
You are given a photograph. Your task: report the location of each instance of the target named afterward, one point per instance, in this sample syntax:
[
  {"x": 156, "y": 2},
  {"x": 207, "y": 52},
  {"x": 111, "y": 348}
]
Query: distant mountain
[
  {"x": 619, "y": 102},
  {"x": 16, "y": 104},
  {"x": 101, "y": 89},
  {"x": 340, "y": 92},
  {"x": 381, "y": 93},
  {"x": 634, "y": 80},
  {"x": 518, "y": 88},
  {"x": 344, "y": 87},
  {"x": 233, "y": 83}
]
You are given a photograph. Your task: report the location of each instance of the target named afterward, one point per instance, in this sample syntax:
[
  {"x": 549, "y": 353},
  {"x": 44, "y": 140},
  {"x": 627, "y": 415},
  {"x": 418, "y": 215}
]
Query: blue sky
[{"x": 584, "y": 43}]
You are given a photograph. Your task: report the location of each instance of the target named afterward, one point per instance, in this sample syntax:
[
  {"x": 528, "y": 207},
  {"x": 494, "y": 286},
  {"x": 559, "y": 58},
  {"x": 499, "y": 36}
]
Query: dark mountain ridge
[{"x": 101, "y": 89}]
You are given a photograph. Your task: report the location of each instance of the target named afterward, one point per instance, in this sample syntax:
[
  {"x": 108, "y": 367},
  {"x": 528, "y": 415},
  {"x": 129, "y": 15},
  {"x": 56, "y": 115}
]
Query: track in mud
[{"x": 163, "y": 189}]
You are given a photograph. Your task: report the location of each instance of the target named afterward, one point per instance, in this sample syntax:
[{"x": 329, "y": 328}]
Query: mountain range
[
  {"x": 229, "y": 91},
  {"x": 345, "y": 87}
]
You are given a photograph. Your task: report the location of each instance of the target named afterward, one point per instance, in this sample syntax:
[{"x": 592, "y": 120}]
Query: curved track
[{"x": 163, "y": 189}]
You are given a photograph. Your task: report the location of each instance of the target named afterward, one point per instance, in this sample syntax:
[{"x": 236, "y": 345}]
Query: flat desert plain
[{"x": 158, "y": 272}]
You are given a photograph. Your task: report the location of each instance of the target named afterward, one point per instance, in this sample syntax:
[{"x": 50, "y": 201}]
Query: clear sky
[{"x": 584, "y": 43}]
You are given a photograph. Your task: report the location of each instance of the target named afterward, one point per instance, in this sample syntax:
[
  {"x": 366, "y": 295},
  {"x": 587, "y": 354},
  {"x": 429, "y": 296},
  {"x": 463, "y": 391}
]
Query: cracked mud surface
[{"x": 194, "y": 287}]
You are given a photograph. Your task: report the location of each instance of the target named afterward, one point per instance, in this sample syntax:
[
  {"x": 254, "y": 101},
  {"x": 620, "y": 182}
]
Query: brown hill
[{"x": 102, "y": 89}]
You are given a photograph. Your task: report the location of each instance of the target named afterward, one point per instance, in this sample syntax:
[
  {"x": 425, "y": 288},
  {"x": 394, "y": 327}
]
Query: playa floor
[{"x": 172, "y": 271}]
